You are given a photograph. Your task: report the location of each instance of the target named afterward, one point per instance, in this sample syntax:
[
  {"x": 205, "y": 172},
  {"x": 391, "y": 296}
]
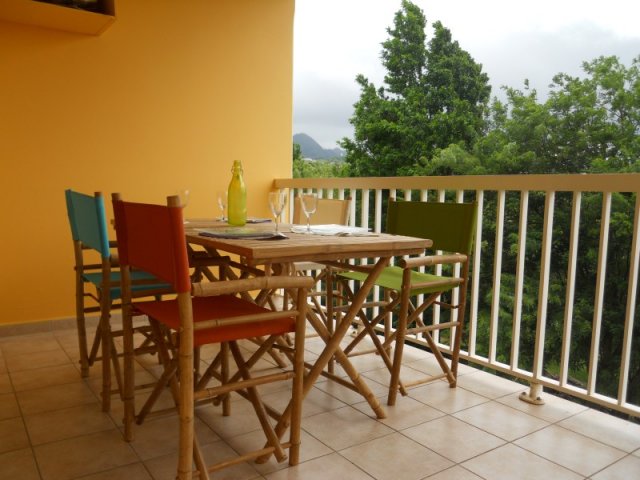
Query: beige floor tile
[
  {"x": 30, "y": 361},
  {"x": 344, "y": 428},
  {"x": 452, "y": 438},
  {"x": 489, "y": 385},
  {"x": 500, "y": 420},
  {"x": 407, "y": 374},
  {"x": 13, "y": 435},
  {"x": 143, "y": 373},
  {"x": 55, "y": 397},
  {"x": 164, "y": 403},
  {"x": 405, "y": 413},
  {"x": 346, "y": 395},
  {"x": 66, "y": 335},
  {"x": 24, "y": 344},
  {"x": 159, "y": 436},
  {"x": 454, "y": 473},
  {"x": 332, "y": 466},
  {"x": 553, "y": 410},
  {"x": 310, "y": 448},
  {"x": 315, "y": 402},
  {"x": 5, "y": 383},
  {"x": 606, "y": 428},
  {"x": 427, "y": 363},
  {"x": 316, "y": 345},
  {"x": 627, "y": 468},
  {"x": 8, "y": 406},
  {"x": 367, "y": 363},
  {"x": 19, "y": 464},
  {"x": 637, "y": 453},
  {"x": 83, "y": 455},
  {"x": 510, "y": 462},
  {"x": 66, "y": 423},
  {"x": 395, "y": 456},
  {"x": 44, "y": 377},
  {"x": 411, "y": 354},
  {"x": 242, "y": 419},
  {"x": 449, "y": 400},
  {"x": 571, "y": 450},
  {"x": 135, "y": 471},
  {"x": 165, "y": 467}
]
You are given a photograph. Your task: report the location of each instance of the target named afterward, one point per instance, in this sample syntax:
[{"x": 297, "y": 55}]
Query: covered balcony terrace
[
  {"x": 52, "y": 427},
  {"x": 164, "y": 99}
]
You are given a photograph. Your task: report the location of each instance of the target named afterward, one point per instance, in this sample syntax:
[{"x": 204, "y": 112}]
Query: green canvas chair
[{"x": 451, "y": 227}]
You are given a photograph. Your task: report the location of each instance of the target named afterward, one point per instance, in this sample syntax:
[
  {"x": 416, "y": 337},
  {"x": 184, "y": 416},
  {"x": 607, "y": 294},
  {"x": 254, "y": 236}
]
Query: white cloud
[{"x": 337, "y": 39}]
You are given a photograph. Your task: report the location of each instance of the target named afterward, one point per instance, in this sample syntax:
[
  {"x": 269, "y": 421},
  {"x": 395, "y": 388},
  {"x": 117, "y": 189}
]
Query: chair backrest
[
  {"x": 88, "y": 220},
  {"x": 451, "y": 226},
  {"x": 328, "y": 211},
  {"x": 152, "y": 238}
]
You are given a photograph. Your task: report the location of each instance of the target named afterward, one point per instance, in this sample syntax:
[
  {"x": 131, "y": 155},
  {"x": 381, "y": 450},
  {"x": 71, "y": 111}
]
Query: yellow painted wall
[{"x": 163, "y": 100}]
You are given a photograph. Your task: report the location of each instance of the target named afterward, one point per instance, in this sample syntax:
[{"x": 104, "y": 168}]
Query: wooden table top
[{"x": 302, "y": 247}]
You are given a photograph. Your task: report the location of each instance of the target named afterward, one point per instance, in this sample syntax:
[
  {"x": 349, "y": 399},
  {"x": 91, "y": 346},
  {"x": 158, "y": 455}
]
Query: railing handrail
[{"x": 601, "y": 182}]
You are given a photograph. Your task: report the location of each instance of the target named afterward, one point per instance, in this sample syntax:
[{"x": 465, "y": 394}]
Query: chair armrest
[
  {"x": 225, "y": 287},
  {"x": 432, "y": 260}
]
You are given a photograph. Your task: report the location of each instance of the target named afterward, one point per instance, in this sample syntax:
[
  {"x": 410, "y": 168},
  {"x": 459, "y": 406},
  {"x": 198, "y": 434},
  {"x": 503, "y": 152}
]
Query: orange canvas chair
[{"x": 152, "y": 237}]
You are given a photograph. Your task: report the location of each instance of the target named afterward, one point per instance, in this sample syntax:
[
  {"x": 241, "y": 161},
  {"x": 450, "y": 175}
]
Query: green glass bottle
[{"x": 237, "y": 196}]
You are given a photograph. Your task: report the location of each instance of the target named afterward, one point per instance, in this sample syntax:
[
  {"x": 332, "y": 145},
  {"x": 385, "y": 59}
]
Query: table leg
[{"x": 333, "y": 348}]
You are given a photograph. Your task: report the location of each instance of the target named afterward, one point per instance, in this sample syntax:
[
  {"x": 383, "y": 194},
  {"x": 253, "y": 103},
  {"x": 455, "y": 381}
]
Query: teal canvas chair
[
  {"x": 98, "y": 287},
  {"x": 451, "y": 227}
]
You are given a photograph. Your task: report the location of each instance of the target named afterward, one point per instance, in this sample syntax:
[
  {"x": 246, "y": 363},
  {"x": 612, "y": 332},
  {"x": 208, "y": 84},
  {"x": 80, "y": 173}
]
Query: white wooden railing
[{"x": 489, "y": 299}]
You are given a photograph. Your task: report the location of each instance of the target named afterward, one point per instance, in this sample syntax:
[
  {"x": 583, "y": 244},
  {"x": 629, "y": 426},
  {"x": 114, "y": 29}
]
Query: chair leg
[
  {"x": 106, "y": 341},
  {"x": 296, "y": 395},
  {"x": 198, "y": 459},
  {"x": 129, "y": 373},
  {"x": 97, "y": 342},
  {"x": 115, "y": 363},
  {"x": 186, "y": 406},
  {"x": 401, "y": 329},
  {"x": 258, "y": 406},
  {"x": 168, "y": 376},
  {"x": 82, "y": 340}
]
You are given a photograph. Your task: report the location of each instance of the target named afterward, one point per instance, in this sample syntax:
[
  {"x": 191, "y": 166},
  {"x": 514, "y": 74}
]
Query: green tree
[{"x": 435, "y": 95}]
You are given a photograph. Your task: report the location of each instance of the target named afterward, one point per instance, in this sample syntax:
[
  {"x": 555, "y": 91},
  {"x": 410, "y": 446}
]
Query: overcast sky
[{"x": 335, "y": 40}]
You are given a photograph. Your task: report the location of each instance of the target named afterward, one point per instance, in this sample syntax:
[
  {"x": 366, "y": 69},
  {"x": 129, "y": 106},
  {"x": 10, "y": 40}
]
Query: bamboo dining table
[{"x": 336, "y": 250}]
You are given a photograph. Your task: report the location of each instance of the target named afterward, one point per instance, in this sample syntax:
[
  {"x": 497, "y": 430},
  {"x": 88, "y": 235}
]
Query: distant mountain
[{"x": 312, "y": 149}]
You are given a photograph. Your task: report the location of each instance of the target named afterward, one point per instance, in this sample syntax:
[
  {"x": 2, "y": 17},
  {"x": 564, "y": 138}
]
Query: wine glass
[
  {"x": 222, "y": 204},
  {"x": 309, "y": 203},
  {"x": 277, "y": 201}
]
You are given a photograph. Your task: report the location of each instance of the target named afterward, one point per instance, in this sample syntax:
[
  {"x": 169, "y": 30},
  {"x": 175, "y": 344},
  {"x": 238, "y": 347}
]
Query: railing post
[{"x": 534, "y": 396}]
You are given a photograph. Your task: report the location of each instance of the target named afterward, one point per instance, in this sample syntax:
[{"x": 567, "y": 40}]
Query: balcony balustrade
[{"x": 554, "y": 277}]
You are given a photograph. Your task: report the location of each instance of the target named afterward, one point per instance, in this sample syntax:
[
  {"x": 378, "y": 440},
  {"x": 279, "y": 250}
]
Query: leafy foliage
[{"x": 435, "y": 95}]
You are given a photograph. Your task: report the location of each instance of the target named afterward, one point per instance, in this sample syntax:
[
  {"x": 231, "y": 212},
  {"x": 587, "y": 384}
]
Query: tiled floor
[{"x": 51, "y": 428}]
